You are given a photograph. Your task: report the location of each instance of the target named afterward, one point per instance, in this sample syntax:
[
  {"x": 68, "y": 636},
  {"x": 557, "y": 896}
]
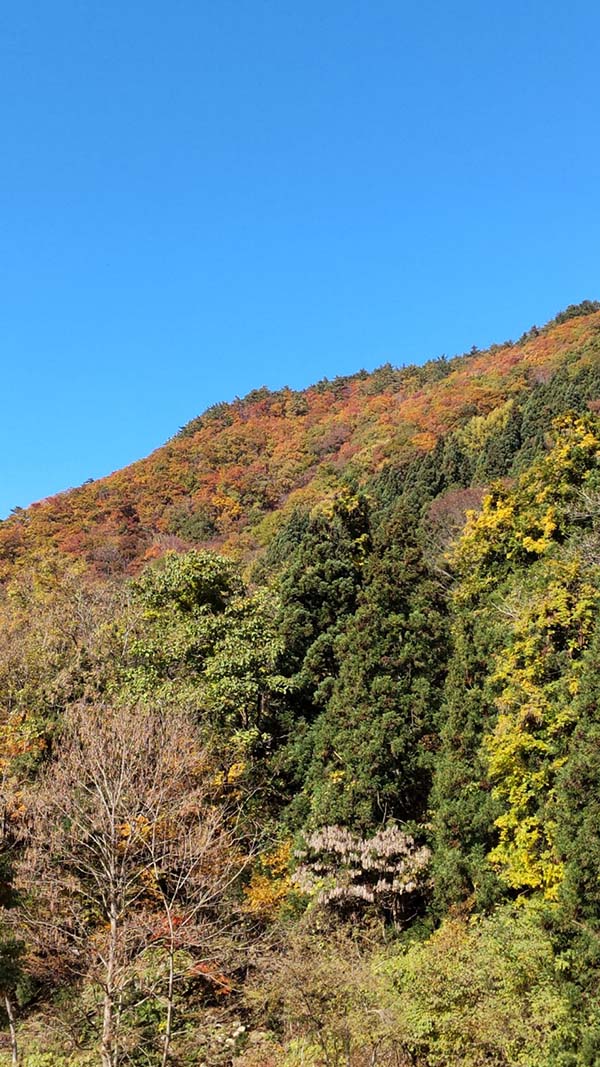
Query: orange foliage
[{"x": 216, "y": 481}]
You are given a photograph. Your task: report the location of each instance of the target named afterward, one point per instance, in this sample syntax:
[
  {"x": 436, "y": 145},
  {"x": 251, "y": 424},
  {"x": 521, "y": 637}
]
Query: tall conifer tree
[{"x": 372, "y": 745}]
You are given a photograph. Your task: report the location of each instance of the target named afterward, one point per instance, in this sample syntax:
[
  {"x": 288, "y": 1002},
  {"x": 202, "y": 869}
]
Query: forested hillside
[
  {"x": 299, "y": 731},
  {"x": 235, "y": 475}
]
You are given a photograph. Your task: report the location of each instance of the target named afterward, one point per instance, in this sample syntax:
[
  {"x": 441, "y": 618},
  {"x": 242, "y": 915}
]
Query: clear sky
[{"x": 201, "y": 198}]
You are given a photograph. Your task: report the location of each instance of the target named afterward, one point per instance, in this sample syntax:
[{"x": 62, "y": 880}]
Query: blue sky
[{"x": 200, "y": 198}]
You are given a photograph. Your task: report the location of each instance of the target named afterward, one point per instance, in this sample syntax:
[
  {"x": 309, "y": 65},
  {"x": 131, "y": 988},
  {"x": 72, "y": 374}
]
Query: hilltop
[{"x": 232, "y": 476}]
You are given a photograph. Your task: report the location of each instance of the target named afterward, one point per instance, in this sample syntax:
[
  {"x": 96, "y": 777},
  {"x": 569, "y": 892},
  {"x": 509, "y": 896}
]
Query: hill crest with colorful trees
[{"x": 231, "y": 478}]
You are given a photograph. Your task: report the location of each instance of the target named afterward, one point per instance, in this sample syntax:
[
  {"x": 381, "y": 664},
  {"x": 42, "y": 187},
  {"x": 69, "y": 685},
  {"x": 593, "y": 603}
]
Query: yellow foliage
[
  {"x": 480, "y": 428},
  {"x": 236, "y": 771},
  {"x": 536, "y": 675},
  {"x": 270, "y": 884},
  {"x": 231, "y": 775},
  {"x": 337, "y": 776},
  {"x": 527, "y": 520}
]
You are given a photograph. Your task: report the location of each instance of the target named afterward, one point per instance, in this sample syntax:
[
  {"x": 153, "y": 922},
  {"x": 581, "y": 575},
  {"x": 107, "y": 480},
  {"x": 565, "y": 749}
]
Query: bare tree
[
  {"x": 193, "y": 863},
  {"x": 128, "y": 850}
]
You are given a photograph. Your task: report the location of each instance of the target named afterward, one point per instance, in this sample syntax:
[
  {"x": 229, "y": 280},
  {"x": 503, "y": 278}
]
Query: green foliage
[
  {"x": 480, "y": 992},
  {"x": 573, "y": 311},
  {"x": 281, "y": 546},
  {"x": 243, "y": 694},
  {"x": 194, "y": 524},
  {"x": 415, "y": 664},
  {"x": 523, "y": 608},
  {"x": 372, "y": 744},
  {"x": 463, "y": 807},
  {"x": 578, "y": 797},
  {"x": 518, "y": 525},
  {"x": 572, "y": 388},
  {"x": 191, "y": 583},
  {"x": 11, "y": 952},
  {"x": 202, "y": 641},
  {"x": 318, "y": 592},
  {"x": 184, "y": 601}
]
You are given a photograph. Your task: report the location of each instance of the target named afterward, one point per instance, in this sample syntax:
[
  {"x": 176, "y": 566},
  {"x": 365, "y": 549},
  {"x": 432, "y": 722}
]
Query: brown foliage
[{"x": 127, "y": 851}]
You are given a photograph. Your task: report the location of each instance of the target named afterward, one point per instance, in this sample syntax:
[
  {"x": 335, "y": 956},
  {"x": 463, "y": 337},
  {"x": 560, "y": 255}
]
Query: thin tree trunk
[
  {"x": 108, "y": 1050},
  {"x": 117, "y": 1026},
  {"x": 170, "y": 993},
  {"x": 14, "y": 1048}
]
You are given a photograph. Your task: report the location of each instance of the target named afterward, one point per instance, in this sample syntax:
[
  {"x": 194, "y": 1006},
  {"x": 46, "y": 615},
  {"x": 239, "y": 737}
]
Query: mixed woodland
[{"x": 299, "y": 730}]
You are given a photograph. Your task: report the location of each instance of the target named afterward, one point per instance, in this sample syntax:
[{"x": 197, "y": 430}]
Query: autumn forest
[{"x": 299, "y": 730}]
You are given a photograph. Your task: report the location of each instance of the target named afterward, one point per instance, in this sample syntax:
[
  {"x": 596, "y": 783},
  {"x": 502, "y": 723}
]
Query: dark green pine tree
[
  {"x": 578, "y": 801},
  {"x": 318, "y": 592},
  {"x": 371, "y": 747},
  {"x": 497, "y": 458},
  {"x": 422, "y": 481},
  {"x": 576, "y": 927},
  {"x": 464, "y": 810},
  {"x": 457, "y": 463},
  {"x": 565, "y": 391}
]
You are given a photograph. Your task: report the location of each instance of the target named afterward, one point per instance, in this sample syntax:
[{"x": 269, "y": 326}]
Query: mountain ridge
[{"x": 231, "y": 476}]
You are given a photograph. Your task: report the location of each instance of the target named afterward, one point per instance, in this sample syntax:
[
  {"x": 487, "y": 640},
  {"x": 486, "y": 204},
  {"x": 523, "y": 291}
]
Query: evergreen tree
[
  {"x": 463, "y": 807},
  {"x": 579, "y": 800},
  {"x": 318, "y": 593},
  {"x": 565, "y": 391},
  {"x": 424, "y": 479},
  {"x": 372, "y": 745},
  {"x": 457, "y": 462},
  {"x": 497, "y": 457},
  {"x": 576, "y": 927}
]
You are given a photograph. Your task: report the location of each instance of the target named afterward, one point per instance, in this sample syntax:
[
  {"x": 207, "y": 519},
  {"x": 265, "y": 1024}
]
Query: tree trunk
[
  {"x": 117, "y": 1026},
  {"x": 108, "y": 1051},
  {"x": 14, "y": 1048},
  {"x": 170, "y": 993}
]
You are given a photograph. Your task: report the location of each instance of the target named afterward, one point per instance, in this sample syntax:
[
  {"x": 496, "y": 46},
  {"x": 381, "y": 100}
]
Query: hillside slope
[
  {"x": 374, "y": 744},
  {"x": 230, "y": 477}
]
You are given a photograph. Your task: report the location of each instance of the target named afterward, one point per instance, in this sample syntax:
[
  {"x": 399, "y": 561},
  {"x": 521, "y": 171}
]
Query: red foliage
[{"x": 216, "y": 481}]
